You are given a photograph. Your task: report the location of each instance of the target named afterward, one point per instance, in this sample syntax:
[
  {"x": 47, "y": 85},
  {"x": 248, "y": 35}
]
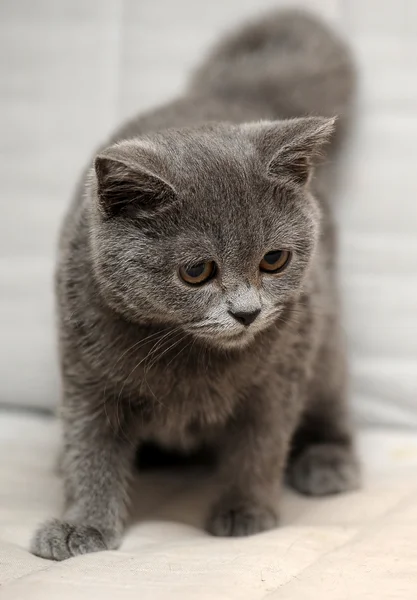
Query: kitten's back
[{"x": 289, "y": 62}]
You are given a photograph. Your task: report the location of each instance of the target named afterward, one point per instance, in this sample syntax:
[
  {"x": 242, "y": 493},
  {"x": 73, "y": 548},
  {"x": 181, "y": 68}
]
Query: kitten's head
[{"x": 210, "y": 229}]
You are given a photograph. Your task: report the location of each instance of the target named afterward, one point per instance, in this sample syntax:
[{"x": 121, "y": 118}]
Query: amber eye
[
  {"x": 275, "y": 261},
  {"x": 198, "y": 274}
]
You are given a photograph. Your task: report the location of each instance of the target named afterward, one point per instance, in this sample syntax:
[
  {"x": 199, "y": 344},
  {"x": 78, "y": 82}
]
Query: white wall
[{"x": 72, "y": 69}]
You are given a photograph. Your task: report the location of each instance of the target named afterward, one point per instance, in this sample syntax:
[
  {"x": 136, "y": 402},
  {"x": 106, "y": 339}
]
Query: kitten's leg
[
  {"x": 323, "y": 459},
  {"x": 252, "y": 461},
  {"x": 96, "y": 465}
]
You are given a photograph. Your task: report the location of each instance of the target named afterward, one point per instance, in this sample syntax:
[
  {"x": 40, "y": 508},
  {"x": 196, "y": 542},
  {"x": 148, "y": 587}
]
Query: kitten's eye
[
  {"x": 198, "y": 274},
  {"x": 275, "y": 261}
]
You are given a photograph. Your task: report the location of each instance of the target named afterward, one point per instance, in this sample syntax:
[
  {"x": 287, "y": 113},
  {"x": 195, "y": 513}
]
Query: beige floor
[{"x": 360, "y": 546}]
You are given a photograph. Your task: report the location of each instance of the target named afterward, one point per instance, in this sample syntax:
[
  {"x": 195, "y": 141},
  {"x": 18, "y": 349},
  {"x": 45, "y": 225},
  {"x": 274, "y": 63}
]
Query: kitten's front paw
[
  {"x": 59, "y": 540},
  {"x": 237, "y": 519},
  {"x": 324, "y": 469}
]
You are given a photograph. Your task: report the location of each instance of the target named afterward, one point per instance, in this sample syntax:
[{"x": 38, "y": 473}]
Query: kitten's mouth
[
  {"x": 229, "y": 337},
  {"x": 226, "y": 339}
]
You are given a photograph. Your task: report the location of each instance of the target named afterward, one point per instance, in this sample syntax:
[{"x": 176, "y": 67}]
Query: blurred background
[{"x": 71, "y": 70}]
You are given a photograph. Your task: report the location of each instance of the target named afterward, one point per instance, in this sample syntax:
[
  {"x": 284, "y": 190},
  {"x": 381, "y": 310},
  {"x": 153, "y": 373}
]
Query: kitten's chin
[
  {"x": 224, "y": 339},
  {"x": 236, "y": 341}
]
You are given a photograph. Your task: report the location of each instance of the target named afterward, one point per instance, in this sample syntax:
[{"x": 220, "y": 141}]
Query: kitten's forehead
[
  {"x": 216, "y": 151},
  {"x": 217, "y": 171},
  {"x": 227, "y": 196},
  {"x": 223, "y": 185}
]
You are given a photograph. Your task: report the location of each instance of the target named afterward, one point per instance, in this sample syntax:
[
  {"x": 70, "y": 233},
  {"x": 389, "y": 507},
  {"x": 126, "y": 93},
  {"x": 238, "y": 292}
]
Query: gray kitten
[{"x": 197, "y": 296}]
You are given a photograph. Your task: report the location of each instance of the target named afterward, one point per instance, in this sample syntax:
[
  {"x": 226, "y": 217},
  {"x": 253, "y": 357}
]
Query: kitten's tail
[{"x": 289, "y": 62}]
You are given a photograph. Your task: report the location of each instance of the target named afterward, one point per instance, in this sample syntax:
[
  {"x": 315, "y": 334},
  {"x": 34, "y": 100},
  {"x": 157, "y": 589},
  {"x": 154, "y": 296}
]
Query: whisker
[
  {"x": 157, "y": 358},
  {"x": 134, "y": 346},
  {"x": 178, "y": 353},
  {"x": 134, "y": 369},
  {"x": 154, "y": 353}
]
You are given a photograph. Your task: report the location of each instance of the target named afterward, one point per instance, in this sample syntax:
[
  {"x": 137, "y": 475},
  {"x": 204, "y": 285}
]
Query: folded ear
[
  {"x": 290, "y": 148},
  {"x": 127, "y": 179}
]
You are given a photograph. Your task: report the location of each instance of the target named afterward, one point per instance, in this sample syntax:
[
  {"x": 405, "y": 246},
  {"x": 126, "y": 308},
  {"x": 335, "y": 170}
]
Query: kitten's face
[{"x": 214, "y": 244}]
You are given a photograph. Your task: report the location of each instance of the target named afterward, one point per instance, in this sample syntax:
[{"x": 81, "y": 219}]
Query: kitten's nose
[{"x": 245, "y": 317}]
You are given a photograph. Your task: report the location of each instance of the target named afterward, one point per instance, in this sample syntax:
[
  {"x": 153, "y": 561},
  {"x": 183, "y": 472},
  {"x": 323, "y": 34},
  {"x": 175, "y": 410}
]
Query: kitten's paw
[
  {"x": 59, "y": 540},
  {"x": 237, "y": 519},
  {"x": 324, "y": 469}
]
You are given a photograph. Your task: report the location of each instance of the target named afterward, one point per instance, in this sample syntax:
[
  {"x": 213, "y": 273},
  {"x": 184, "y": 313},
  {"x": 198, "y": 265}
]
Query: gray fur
[
  {"x": 217, "y": 176},
  {"x": 324, "y": 469}
]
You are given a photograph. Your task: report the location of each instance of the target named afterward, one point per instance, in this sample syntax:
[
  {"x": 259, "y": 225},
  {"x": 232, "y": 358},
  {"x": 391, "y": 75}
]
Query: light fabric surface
[
  {"x": 360, "y": 546},
  {"x": 71, "y": 70}
]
